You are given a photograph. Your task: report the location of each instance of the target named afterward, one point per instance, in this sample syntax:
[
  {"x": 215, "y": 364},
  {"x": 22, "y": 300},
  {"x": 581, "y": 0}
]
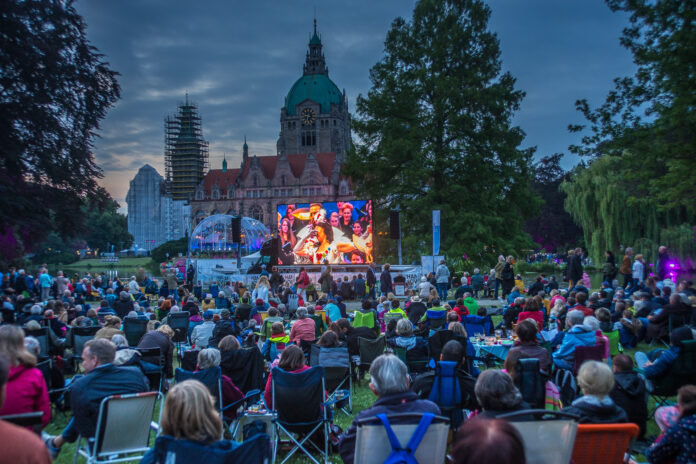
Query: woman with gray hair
[
  {"x": 303, "y": 328},
  {"x": 596, "y": 381},
  {"x": 416, "y": 347},
  {"x": 209, "y": 358},
  {"x": 497, "y": 394}
]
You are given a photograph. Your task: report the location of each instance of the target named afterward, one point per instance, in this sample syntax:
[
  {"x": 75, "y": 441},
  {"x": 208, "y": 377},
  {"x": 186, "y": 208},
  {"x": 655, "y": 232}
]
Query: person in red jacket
[
  {"x": 532, "y": 311},
  {"x": 26, "y": 387}
]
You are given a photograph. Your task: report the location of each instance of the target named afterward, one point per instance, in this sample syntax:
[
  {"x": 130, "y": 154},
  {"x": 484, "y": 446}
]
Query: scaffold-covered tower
[{"x": 185, "y": 152}]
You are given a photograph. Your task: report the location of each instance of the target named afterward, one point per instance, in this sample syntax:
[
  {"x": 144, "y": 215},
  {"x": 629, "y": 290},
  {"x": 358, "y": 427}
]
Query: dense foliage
[
  {"x": 169, "y": 249},
  {"x": 435, "y": 132},
  {"x": 54, "y": 90}
]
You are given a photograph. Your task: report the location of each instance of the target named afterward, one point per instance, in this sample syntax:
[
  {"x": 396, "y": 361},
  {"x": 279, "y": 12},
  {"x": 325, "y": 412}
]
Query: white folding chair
[
  {"x": 123, "y": 429},
  {"x": 372, "y": 443},
  {"x": 549, "y": 440}
]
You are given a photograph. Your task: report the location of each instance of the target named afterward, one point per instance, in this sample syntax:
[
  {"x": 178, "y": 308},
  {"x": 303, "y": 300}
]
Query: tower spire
[{"x": 315, "y": 62}]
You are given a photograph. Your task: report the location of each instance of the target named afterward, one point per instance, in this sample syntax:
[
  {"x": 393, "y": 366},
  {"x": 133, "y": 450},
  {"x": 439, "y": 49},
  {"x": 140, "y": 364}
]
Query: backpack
[
  {"x": 567, "y": 388},
  {"x": 399, "y": 454}
]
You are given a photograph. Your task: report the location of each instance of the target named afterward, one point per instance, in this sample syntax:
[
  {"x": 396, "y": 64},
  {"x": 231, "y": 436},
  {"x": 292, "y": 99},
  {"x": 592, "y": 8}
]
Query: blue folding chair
[
  {"x": 447, "y": 393},
  {"x": 306, "y": 417},
  {"x": 255, "y": 450},
  {"x": 211, "y": 378}
]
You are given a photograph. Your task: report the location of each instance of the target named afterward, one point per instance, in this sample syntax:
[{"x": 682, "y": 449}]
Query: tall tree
[
  {"x": 649, "y": 119},
  {"x": 553, "y": 227},
  {"x": 107, "y": 227},
  {"x": 435, "y": 132},
  {"x": 54, "y": 89}
]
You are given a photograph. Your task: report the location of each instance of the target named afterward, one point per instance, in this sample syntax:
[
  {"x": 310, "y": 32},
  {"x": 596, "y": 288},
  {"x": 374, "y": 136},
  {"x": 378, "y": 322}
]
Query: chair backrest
[
  {"x": 613, "y": 337},
  {"x": 595, "y": 443},
  {"x": 179, "y": 322},
  {"x": 255, "y": 450},
  {"x": 529, "y": 382},
  {"x": 372, "y": 443},
  {"x": 79, "y": 336},
  {"x": 42, "y": 336},
  {"x": 314, "y": 355},
  {"x": 675, "y": 321},
  {"x": 389, "y": 316},
  {"x": 134, "y": 329},
  {"x": 547, "y": 441},
  {"x": 446, "y": 391},
  {"x": 682, "y": 372},
  {"x": 27, "y": 419},
  {"x": 123, "y": 425},
  {"x": 370, "y": 349},
  {"x": 152, "y": 355},
  {"x": 292, "y": 302},
  {"x": 587, "y": 353},
  {"x": 288, "y": 387},
  {"x": 211, "y": 378},
  {"x": 45, "y": 368},
  {"x": 364, "y": 319}
]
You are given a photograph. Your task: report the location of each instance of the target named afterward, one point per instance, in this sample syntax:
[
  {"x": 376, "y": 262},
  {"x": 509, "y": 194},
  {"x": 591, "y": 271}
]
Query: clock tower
[{"x": 315, "y": 116}]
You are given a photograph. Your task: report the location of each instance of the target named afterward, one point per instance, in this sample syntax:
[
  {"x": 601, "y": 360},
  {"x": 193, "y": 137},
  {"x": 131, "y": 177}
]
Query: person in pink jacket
[{"x": 26, "y": 387}]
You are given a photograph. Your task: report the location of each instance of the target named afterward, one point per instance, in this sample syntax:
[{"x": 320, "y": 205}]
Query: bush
[{"x": 172, "y": 247}]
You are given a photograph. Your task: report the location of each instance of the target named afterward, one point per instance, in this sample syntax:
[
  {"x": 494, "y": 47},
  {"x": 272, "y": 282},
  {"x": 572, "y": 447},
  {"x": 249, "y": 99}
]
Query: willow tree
[
  {"x": 435, "y": 132},
  {"x": 603, "y": 200}
]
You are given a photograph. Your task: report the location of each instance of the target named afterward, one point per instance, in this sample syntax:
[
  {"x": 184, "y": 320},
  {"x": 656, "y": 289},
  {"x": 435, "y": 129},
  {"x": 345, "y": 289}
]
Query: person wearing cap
[{"x": 200, "y": 336}]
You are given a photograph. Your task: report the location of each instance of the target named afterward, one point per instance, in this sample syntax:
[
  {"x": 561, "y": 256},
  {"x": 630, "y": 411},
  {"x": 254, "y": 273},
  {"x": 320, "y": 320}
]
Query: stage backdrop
[{"x": 325, "y": 233}]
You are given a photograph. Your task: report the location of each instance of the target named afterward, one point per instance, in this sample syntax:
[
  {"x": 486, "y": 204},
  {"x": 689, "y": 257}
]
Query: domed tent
[{"x": 214, "y": 234}]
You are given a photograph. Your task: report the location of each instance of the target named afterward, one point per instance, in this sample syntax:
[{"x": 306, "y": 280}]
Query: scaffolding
[{"x": 185, "y": 152}]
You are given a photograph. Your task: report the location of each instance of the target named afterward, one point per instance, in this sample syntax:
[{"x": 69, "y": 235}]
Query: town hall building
[{"x": 311, "y": 149}]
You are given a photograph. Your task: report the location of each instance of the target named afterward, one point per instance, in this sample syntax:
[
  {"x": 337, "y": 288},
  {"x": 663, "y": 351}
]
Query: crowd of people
[{"x": 247, "y": 332}]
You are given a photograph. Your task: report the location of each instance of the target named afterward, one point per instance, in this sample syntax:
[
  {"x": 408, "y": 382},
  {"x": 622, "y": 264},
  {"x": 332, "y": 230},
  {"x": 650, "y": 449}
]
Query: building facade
[
  {"x": 153, "y": 216},
  {"x": 314, "y": 139}
]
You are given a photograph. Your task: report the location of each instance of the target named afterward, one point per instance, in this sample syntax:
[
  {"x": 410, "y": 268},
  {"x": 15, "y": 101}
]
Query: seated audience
[
  {"x": 658, "y": 362},
  {"x": 276, "y": 343},
  {"x": 678, "y": 444},
  {"x": 389, "y": 381},
  {"x": 658, "y": 326},
  {"x": 532, "y": 310},
  {"x": 488, "y": 440},
  {"x": 244, "y": 366},
  {"x": 581, "y": 298},
  {"x": 200, "y": 336},
  {"x": 329, "y": 339},
  {"x": 189, "y": 414},
  {"x": 25, "y": 387},
  {"x": 18, "y": 444},
  {"x": 112, "y": 326},
  {"x": 101, "y": 379},
  {"x": 209, "y": 358},
  {"x": 576, "y": 335},
  {"x": 353, "y": 333},
  {"x": 629, "y": 392},
  {"x": 497, "y": 394},
  {"x": 160, "y": 338},
  {"x": 512, "y": 312},
  {"x": 452, "y": 351},
  {"x": 303, "y": 329},
  {"x": 528, "y": 347},
  {"x": 293, "y": 361},
  {"x": 596, "y": 381}
]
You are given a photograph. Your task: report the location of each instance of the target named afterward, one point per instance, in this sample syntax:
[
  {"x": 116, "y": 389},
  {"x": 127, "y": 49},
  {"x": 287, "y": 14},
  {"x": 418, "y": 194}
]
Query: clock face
[{"x": 307, "y": 116}]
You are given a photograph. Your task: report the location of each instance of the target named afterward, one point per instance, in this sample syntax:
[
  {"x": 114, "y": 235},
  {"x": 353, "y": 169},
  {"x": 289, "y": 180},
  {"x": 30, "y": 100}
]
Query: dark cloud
[{"x": 237, "y": 61}]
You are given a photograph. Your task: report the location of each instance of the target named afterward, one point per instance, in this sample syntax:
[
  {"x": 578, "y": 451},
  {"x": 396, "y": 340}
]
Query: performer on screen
[
  {"x": 319, "y": 247},
  {"x": 346, "y": 211},
  {"x": 287, "y": 242}
]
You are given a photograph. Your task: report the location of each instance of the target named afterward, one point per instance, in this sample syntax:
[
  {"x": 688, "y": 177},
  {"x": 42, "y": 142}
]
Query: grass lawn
[{"x": 96, "y": 263}]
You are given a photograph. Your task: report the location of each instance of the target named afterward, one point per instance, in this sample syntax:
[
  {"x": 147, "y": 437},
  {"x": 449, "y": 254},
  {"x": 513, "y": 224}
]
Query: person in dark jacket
[
  {"x": 390, "y": 383},
  {"x": 575, "y": 268},
  {"x": 678, "y": 445},
  {"x": 385, "y": 280},
  {"x": 123, "y": 305},
  {"x": 353, "y": 333},
  {"x": 371, "y": 281},
  {"x": 659, "y": 323},
  {"x": 507, "y": 276},
  {"x": 629, "y": 391},
  {"x": 416, "y": 310},
  {"x": 162, "y": 339},
  {"x": 224, "y": 327},
  {"x": 596, "y": 406},
  {"x": 102, "y": 379},
  {"x": 452, "y": 351},
  {"x": 244, "y": 366},
  {"x": 659, "y": 362},
  {"x": 528, "y": 347}
]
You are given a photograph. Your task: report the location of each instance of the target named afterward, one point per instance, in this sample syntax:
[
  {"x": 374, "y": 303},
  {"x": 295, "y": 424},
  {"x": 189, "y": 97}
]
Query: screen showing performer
[{"x": 325, "y": 233}]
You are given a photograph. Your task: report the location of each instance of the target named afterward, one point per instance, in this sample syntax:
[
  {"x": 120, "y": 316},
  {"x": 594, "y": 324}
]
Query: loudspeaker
[
  {"x": 394, "y": 226},
  {"x": 237, "y": 229}
]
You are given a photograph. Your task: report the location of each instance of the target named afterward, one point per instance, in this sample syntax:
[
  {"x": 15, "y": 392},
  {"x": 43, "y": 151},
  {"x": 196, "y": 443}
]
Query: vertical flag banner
[{"x": 436, "y": 232}]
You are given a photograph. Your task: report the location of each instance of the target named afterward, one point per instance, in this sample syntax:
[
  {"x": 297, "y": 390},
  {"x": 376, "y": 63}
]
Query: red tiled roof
[
  {"x": 222, "y": 179},
  {"x": 297, "y": 164}
]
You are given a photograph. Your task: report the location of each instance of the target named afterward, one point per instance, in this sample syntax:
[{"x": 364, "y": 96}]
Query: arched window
[
  {"x": 230, "y": 193},
  {"x": 256, "y": 212},
  {"x": 216, "y": 193},
  {"x": 199, "y": 194},
  {"x": 256, "y": 181},
  {"x": 282, "y": 180}
]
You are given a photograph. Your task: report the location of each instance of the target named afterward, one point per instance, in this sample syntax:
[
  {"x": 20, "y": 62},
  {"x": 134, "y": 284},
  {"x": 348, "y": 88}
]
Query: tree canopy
[
  {"x": 54, "y": 89},
  {"x": 435, "y": 132},
  {"x": 648, "y": 119}
]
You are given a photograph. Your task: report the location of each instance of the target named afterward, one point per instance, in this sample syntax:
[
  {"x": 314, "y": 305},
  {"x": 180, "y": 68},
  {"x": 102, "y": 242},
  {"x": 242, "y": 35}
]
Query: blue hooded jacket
[{"x": 578, "y": 335}]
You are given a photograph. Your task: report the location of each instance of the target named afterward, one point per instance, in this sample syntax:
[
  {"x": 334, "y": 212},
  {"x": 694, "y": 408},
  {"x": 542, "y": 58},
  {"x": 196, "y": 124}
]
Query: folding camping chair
[
  {"x": 373, "y": 444},
  {"x": 682, "y": 372},
  {"x": 368, "y": 351},
  {"x": 79, "y": 336},
  {"x": 336, "y": 364},
  {"x": 547, "y": 440},
  {"x": 587, "y": 353},
  {"x": 417, "y": 365},
  {"x": 529, "y": 382},
  {"x": 255, "y": 450},
  {"x": 27, "y": 419},
  {"x": 211, "y": 378},
  {"x": 179, "y": 322},
  {"x": 153, "y": 356},
  {"x": 43, "y": 338},
  {"x": 123, "y": 429},
  {"x": 447, "y": 392},
  {"x": 596, "y": 443},
  {"x": 306, "y": 417},
  {"x": 134, "y": 329}
]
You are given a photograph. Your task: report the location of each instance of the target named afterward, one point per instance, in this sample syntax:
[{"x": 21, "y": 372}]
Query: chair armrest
[{"x": 154, "y": 426}]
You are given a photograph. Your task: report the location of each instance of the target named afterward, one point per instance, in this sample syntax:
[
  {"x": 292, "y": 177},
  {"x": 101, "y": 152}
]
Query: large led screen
[{"x": 325, "y": 233}]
